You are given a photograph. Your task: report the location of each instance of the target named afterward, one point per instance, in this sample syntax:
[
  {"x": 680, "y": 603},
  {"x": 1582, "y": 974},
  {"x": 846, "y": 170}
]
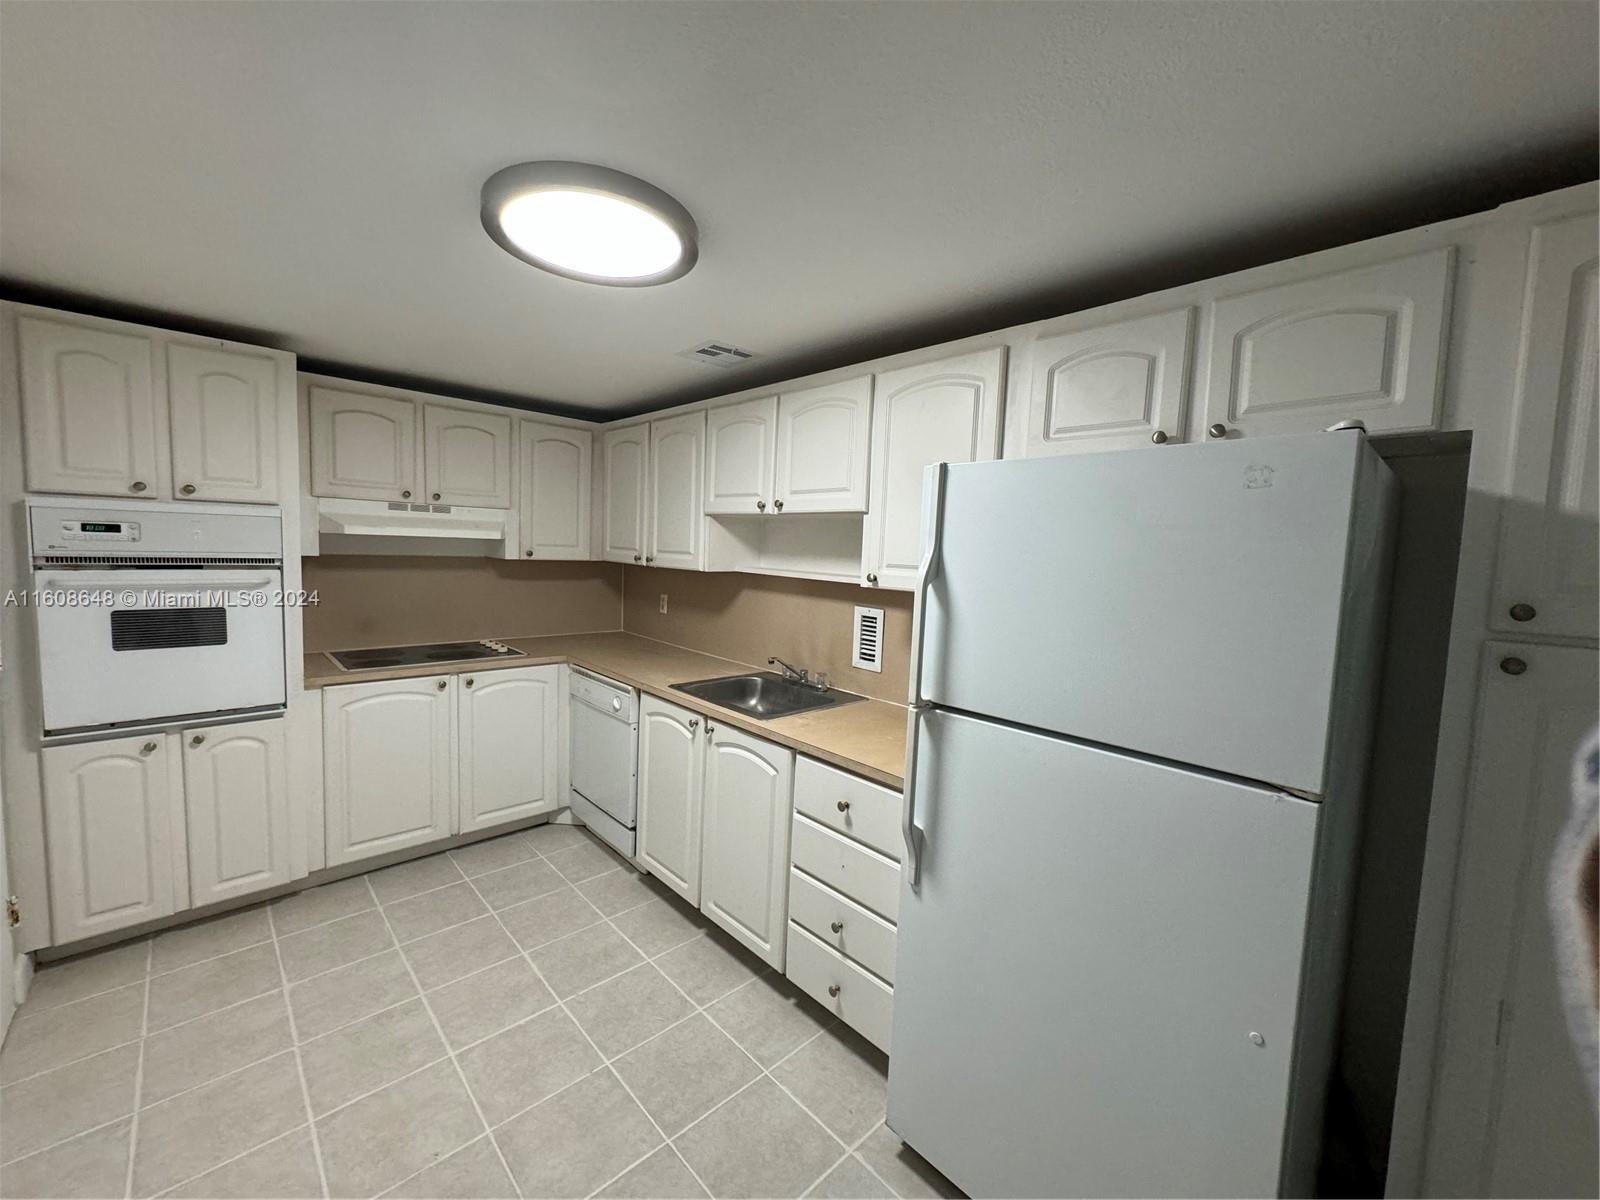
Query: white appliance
[
  {"x": 156, "y": 613},
  {"x": 391, "y": 518},
  {"x": 1142, "y": 687},
  {"x": 605, "y": 758}
]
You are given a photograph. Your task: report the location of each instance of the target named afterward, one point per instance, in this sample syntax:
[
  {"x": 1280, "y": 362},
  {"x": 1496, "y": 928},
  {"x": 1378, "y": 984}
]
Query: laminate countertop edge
[{"x": 866, "y": 737}]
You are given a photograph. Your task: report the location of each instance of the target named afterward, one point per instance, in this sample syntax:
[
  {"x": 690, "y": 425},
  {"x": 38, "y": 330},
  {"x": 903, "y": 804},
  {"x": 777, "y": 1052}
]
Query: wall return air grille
[{"x": 867, "y": 645}]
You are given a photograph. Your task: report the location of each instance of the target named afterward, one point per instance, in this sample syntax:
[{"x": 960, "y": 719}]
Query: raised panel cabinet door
[
  {"x": 108, "y": 824},
  {"x": 946, "y": 411},
  {"x": 1363, "y": 345},
  {"x": 555, "y": 490},
  {"x": 1546, "y": 580},
  {"x": 363, "y": 447},
  {"x": 677, "y": 519},
  {"x": 466, "y": 457},
  {"x": 88, "y": 410},
  {"x": 509, "y": 748},
  {"x": 389, "y": 765},
  {"x": 671, "y": 774},
  {"x": 224, "y": 424},
  {"x": 1118, "y": 385},
  {"x": 744, "y": 869},
  {"x": 626, "y": 454},
  {"x": 235, "y": 782},
  {"x": 741, "y": 444},
  {"x": 824, "y": 439}
]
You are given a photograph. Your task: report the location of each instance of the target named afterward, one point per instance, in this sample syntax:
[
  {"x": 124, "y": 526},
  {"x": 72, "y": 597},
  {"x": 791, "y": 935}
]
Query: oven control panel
[{"x": 100, "y": 531}]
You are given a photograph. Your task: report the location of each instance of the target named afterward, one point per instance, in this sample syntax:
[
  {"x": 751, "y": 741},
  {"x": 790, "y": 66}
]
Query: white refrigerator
[{"x": 1142, "y": 688}]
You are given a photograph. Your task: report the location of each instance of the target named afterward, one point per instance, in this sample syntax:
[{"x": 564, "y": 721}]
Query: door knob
[
  {"x": 1513, "y": 666},
  {"x": 1219, "y": 430},
  {"x": 843, "y": 806},
  {"x": 1159, "y": 437},
  {"x": 138, "y": 485},
  {"x": 1523, "y": 612},
  {"x": 187, "y": 489},
  {"x": 837, "y": 927},
  {"x": 198, "y": 739},
  {"x": 833, "y": 989},
  {"x": 406, "y": 495},
  {"x": 443, "y": 683}
]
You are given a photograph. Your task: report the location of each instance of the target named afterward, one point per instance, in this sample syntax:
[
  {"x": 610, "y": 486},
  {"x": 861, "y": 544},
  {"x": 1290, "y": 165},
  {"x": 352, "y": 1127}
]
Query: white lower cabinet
[
  {"x": 509, "y": 750},
  {"x": 108, "y": 821},
  {"x": 236, "y": 791},
  {"x": 714, "y": 821}
]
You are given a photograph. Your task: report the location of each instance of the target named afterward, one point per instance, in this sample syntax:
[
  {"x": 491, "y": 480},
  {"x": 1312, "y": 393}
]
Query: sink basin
[{"x": 763, "y": 695}]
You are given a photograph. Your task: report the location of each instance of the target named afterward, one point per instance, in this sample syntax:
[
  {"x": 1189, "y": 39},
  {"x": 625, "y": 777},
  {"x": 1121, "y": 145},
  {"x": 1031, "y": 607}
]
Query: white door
[
  {"x": 627, "y": 455},
  {"x": 1366, "y": 345},
  {"x": 466, "y": 457},
  {"x": 389, "y": 765},
  {"x": 741, "y": 444},
  {"x": 88, "y": 411},
  {"x": 677, "y": 525},
  {"x": 224, "y": 424},
  {"x": 8, "y": 983},
  {"x": 555, "y": 490},
  {"x": 744, "y": 869},
  {"x": 108, "y": 825},
  {"x": 509, "y": 749},
  {"x": 1546, "y": 577},
  {"x": 1513, "y": 1115},
  {"x": 946, "y": 411},
  {"x": 1114, "y": 386},
  {"x": 235, "y": 781},
  {"x": 363, "y": 447},
  {"x": 671, "y": 771},
  {"x": 824, "y": 439}
]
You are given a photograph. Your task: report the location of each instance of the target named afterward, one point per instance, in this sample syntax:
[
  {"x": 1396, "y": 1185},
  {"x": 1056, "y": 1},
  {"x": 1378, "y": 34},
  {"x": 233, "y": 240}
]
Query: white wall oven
[{"x": 157, "y": 613}]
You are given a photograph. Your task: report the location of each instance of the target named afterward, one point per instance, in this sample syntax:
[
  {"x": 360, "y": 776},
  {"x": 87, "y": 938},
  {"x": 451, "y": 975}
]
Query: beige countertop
[{"x": 867, "y": 737}]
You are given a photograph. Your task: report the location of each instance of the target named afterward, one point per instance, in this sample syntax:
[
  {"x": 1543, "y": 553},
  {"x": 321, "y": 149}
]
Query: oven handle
[{"x": 144, "y": 580}]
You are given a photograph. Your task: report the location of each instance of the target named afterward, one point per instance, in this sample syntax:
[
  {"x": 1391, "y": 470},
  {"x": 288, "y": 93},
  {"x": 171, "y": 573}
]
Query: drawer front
[
  {"x": 870, "y": 813},
  {"x": 846, "y": 866},
  {"x": 862, "y": 1002},
  {"x": 842, "y": 924}
]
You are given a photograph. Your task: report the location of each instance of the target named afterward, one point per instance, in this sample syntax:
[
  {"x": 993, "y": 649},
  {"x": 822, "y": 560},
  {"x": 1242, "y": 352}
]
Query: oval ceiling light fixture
[{"x": 589, "y": 223}]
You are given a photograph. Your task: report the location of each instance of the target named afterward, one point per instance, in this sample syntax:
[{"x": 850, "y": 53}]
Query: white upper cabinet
[
  {"x": 1363, "y": 345},
  {"x": 509, "y": 747},
  {"x": 1545, "y": 580},
  {"x": 1113, "y": 386},
  {"x": 89, "y": 410},
  {"x": 363, "y": 447},
  {"x": 466, "y": 456},
  {"x": 671, "y": 772},
  {"x": 745, "y": 844},
  {"x": 824, "y": 439},
  {"x": 235, "y": 781},
  {"x": 224, "y": 424},
  {"x": 108, "y": 823},
  {"x": 555, "y": 490},
  {"x": 627, "y": 457},
  {"x": 677, "y": 528},
  {"x": 945, "y": 411},
  {"x": 741, "y": 447}
]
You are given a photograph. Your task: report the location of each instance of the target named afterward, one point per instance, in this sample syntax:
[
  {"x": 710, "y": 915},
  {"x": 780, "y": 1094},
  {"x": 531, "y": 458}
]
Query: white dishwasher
[{"x": 605, "y": 758}]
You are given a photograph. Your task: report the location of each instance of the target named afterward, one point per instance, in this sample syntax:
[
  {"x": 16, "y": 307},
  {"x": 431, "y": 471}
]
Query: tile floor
[{"x": 526, "y": 1016}]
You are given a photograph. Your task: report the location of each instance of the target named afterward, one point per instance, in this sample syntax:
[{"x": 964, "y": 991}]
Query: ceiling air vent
[
  {"x": 717, "y": 354},
  {"x": 868, "y": 648}
]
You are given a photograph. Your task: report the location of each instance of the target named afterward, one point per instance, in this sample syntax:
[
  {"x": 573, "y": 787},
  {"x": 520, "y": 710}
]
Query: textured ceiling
[{"x": 865, "y": 176}]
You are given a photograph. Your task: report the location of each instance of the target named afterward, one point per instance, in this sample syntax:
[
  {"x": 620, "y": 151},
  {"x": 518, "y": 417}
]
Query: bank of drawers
[{"x": 844, "y": 893}]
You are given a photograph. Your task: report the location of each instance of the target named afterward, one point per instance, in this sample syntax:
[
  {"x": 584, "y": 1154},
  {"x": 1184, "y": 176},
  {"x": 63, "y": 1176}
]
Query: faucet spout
[{"x": 797, "y": 675}]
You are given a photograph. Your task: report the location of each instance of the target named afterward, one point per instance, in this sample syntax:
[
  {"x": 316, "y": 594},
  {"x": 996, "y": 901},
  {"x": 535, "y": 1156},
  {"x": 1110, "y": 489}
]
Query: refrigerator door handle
[
  {"x": 932, "y": 536},
  {"x": 908, "y": 798}
]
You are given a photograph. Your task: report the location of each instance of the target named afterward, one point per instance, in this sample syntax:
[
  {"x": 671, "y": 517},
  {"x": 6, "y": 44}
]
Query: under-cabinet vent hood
[{"x": 378, "y": 518}]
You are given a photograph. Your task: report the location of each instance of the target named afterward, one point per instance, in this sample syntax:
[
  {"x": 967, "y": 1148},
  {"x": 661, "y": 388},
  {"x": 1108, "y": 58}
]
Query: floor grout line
[
  {"x": 138, "y": 1075},
  {"x": 466, "y": 1084},
  {"x": 299, "y": 1062},
  {"x": 277, "y": 1137}
]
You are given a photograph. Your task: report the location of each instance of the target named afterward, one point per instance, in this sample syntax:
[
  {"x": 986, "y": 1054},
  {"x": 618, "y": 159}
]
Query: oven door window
[{"x": 168, "y": 628}]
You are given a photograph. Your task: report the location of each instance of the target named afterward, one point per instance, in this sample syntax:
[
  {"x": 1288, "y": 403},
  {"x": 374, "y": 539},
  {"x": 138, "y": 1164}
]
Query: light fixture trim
[{"x": 511, "y": 184}]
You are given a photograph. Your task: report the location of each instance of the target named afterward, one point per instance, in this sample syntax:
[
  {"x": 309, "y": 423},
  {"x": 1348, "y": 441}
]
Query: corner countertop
[{"x": 867, "y": 737}]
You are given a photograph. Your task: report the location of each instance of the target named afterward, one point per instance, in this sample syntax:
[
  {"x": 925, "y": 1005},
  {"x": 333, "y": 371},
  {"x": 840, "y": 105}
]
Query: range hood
[{"x": 379, "y": 518}]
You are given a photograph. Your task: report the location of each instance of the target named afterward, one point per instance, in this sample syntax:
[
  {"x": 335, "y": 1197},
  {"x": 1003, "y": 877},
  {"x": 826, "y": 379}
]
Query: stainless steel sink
[{"x": 763, "y": 695}]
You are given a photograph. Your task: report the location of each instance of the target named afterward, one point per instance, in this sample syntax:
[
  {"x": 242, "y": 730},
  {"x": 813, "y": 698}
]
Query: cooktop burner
[{"x": 420, "y": 656}]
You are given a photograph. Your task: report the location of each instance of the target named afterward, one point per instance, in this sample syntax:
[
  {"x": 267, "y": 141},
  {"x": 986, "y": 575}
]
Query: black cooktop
[{"x": 420, "y": 656}]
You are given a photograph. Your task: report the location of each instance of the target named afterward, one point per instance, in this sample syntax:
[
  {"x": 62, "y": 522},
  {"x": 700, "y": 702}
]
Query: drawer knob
[
  {"x": 1513, "y": 666},
  {"x": 436, "y": 495},
  {"x": 406, "y": 495},
  {"x": 833, "y": 989},
  {"x": 843, "y": 806},
  {"x": 136, "y": 486},
  {"x": 1219, "y": 430},
  {"x": 837, "y": 926},
  {"x": 1523, "y": 612},
  {"x": 187, "y": 489},
  {"x": 1159, "y": 437}
]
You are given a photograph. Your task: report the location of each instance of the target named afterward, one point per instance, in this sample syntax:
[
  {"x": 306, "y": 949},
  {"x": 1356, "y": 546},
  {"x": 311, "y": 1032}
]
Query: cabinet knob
[
  {"x": 837, "y": 927},
  {"x": 442, "y": 684},
  {"x": 778, "y": 504},
  {"x": 1159, "y": 437},
  {"x": 198, "y": 739},
  {"x": 469, "y": 681},
  {"x": 710, "y": 728},
  {"x": 638, "y": 558},
  {"x": 406, "y": 495},
  {"x": 761, "y": 506},
  {"x": 436, "y": 495},
  {"x": 649, "y": 558},
  {"x": 1219, "y": 430},
  {"x": 1523, "y": 612},
  {"x": 1513, "y": 666},
  {"x": 694, "y": 722},
  {"x": 530, "y": 553},
  {"x": 843, "y": 806},
  {"x": 872, "y": 578},
  {"x": 148, "y": 748},
  {"x": 138, "y": 485},
  {"x": 833, "y": 989},
  {"x": 187, "y": 489}
]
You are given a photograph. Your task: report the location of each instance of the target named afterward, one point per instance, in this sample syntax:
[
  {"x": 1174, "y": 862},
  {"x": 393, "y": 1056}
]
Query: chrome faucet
[{"x": 797, "y": 675}]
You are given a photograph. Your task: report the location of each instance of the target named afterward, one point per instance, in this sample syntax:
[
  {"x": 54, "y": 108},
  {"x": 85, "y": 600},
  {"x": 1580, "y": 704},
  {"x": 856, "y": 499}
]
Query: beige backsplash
[
  {"x": 380, "y": 601},
  {"x": 748, "y": 617}
]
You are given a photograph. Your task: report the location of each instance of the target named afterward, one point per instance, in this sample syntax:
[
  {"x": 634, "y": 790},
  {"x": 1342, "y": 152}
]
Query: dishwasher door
[{"x": 605, "y": 747}]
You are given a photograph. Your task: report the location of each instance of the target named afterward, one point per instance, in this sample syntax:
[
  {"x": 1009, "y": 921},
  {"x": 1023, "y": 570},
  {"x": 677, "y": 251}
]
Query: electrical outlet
[{"x": 663, "y": 605}]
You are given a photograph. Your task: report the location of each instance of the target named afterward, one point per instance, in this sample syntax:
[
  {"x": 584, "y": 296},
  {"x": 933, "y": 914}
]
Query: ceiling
[{"x": 866, "y": 177}]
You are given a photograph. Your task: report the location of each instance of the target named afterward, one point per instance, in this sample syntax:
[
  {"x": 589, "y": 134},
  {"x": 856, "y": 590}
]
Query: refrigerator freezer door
[
  {"x": 1096, "y": 980},
  {"x": 1182, "y": 602}
]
